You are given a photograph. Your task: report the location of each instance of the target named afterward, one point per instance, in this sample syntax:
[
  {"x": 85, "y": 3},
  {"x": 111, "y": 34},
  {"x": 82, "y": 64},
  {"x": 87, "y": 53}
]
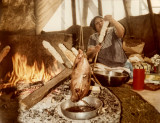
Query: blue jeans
[{"x": 129, "y": 66}]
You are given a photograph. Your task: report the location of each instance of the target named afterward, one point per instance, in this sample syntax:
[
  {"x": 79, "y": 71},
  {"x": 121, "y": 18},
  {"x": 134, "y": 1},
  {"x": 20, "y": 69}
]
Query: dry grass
[{"x": 134, "y": 108}]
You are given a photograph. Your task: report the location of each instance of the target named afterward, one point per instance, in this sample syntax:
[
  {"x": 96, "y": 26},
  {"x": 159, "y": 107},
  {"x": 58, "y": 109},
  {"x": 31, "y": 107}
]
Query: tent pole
[
  {"x": 128, "y": 19},
  {"x": 85, "y": 12},
  {"x": 153, "y": 24},
  {"x": 73, "y": 4},
  {"x": 100, "y": 7}
]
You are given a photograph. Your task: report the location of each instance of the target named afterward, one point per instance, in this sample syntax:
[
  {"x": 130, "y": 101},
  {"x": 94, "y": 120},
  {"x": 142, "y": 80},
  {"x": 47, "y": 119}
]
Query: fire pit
[{"x": 49, "y": 110}]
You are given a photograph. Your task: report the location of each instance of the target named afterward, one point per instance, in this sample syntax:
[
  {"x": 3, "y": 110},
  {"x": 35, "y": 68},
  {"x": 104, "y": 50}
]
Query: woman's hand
[
  {"x": 108, "y": 18},
  {"x": 119, "y": 28},
  {"x": 92, "y": 51},
  {"x": 97, "y": 48}
]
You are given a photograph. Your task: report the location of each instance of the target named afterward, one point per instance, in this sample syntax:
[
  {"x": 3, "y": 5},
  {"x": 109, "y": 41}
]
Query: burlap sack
[{"x": 135, "y": 49}]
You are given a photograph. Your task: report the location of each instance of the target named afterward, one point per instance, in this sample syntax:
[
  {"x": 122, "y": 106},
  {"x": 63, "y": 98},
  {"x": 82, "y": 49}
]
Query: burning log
[
  {"x": 4, "y": 52},
  {"x": 40, "y": 93}
]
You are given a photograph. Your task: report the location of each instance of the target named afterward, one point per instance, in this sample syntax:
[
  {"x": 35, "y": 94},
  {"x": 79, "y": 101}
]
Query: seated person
[{"x": 110, "y": 51}]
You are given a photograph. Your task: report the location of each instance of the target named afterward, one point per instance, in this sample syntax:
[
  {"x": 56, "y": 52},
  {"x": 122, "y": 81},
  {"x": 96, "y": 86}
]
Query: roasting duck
[{"x": 81, "y": 77}]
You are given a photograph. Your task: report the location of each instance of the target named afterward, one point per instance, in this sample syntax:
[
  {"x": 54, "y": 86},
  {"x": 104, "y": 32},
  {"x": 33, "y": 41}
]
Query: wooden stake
[
  {"x": 100, "y": 7},
  {"x": 40, "y": 93},
  {"x": 153, "y": 25},
  {"x": 4, "y": 52},
  {"x": 73, "y": 2}
]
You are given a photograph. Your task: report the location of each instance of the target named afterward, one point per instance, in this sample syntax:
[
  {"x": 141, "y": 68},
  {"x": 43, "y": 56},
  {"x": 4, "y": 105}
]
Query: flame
[{"x": 22, "y": 71}]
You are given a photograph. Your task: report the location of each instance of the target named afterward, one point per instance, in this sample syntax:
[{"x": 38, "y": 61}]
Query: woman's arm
[
  {"x": 119, "y": 28},
  {"x": 92, "y": 51}
]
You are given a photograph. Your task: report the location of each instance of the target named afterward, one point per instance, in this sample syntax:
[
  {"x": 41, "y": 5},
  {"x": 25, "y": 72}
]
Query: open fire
[{"x": 23, "y": 71}]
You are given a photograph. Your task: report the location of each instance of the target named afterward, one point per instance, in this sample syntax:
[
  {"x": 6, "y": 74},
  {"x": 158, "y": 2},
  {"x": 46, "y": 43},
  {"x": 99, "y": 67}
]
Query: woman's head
[{"x": 97, "y": 23}]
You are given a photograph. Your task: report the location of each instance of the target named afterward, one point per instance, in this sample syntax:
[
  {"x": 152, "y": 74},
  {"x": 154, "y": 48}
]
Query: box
[{"x": 152, "y": 78}]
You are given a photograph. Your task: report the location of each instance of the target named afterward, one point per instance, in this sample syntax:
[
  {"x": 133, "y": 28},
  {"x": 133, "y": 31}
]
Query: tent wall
[
  {"x": 142, "y": 29},
  {"x": 19, "y": 16},
  {"x": 44, "y": 11}
]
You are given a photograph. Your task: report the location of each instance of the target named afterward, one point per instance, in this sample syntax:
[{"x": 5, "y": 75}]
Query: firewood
[
  {"x": 57, "y": 53},
  {"x": 74, "y": 51},
  {"x": 40, "y": 93},
  {"x": 53, "y": 51},
  {"x": 66, "y": 61},
  {"x": 4, "y": 52},
  {"x": 69, "y": 55}
]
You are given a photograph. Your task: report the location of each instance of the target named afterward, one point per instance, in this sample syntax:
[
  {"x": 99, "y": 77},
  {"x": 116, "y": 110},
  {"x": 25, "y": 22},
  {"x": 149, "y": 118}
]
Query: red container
[{"x": 138, "y": 79}]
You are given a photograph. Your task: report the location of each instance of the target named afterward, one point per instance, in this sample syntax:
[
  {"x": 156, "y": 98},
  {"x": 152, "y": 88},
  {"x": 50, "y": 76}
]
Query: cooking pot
[
  {"x": 89, "y": 101},
  {"x": 109, "y": 77}
]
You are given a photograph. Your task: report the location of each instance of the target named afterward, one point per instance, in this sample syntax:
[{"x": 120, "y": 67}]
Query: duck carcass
[{"x": 81, "y": 77}]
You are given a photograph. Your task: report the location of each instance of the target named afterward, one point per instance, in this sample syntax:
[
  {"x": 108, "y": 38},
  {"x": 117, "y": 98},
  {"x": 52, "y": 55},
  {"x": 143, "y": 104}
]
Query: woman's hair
[{"x": 92, "y": 24}]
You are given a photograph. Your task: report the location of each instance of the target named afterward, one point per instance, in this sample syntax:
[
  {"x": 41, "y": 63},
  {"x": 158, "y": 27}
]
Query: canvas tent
[{"x": 29, "y": 28}]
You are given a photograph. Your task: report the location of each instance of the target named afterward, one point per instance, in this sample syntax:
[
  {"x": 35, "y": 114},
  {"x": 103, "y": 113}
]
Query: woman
[{"x": 110, "y": 51}]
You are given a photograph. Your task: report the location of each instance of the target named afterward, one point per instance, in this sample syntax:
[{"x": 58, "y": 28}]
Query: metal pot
[
  {"x": 111, "y": 78},
  {"x": 91, "y": 101}
]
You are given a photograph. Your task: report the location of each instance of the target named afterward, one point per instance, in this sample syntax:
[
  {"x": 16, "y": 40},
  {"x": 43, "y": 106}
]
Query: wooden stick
[
  {"x": 128, "y": 19},
  {"x": 53, "y": 51},
  {"x": 96, "y": 80},
  {"x": 61, "y": 54},
  {"x": 69, "y": 55},
  {"x": 4, "y": 52},
  {"x": 100, "y": 8},
  {"x": 101, "y": 38},
  {"x": 73, "y": 2},
  {"x": 95, "y": 60},
  {"x": 40, "y": 93},
  {"x": 154, "y": 27}
]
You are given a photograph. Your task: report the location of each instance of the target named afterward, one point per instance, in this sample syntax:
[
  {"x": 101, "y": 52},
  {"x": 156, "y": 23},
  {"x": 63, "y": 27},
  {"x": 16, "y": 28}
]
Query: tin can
[
  {"x": 138, "y": 79},
  {"x": 158, "y": 69}
]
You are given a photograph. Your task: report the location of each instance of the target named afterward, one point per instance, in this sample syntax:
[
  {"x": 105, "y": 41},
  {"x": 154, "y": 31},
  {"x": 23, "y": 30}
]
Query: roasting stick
[
  {"x": 95, "y": 79},
  {"x": 101, "y": 38}
]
